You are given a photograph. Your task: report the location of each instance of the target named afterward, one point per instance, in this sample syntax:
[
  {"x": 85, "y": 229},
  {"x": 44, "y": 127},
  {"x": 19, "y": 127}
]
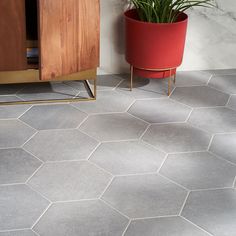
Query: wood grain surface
[
  {"x": 12, "y": 35},
  {"x": 69, "y": 36}
]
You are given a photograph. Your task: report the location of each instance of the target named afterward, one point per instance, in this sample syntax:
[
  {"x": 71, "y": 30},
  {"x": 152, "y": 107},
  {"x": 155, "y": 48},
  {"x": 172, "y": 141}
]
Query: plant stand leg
[
  {"x": 169, "y": 86},
  {"x": 131, "y": 77},
  {"x": 174, "y": 78}
]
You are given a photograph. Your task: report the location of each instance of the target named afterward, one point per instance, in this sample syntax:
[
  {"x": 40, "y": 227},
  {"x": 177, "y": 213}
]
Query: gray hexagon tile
[
  {"x": 215, "y": 120},
  {"x": 18, "y": 233},
  {"x": 111, "y": 127},
  {"x": 120, "y": 158},
  {"x": 104, "y": 83},
  {"x": 214, "y": 211},
  {"x": 226, "y": 83},
  {"x": 199, "y": 170},
  {"x": 200, "y": 96},
  {"x": 166, "y": 226},
  {"x": 10, "y": 89},
  {"x": 144, "y": 88},
  {"x": 20, "y": 207},
  {"x": 160, "y": 111},
  {"x": 14, "y": 133},
  {"x": 232, "y": 102},
  {"x": 70, "y": 181},
  {"x": 59, "y": 145},
  {"x": 9, "y": 98},
  {"x": 192, "y": 78},
  {"x": 60, "y": 116},
  {"x": 145, "y": 196},
  {"x": 84, "y": 218},
  {"x": 224, "y": 145},
  {"x": 223, "y": 72},
  {"x": 43, "y": 91},
  {"x": 16, "y": 166},
  {"x": 107, "y": 101},
  {"x": 13, "y": 111},
  {"x": 177, "y": 138}
]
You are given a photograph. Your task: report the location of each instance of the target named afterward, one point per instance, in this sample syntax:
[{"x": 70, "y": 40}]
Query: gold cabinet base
[{"x": 32, "y": 76}]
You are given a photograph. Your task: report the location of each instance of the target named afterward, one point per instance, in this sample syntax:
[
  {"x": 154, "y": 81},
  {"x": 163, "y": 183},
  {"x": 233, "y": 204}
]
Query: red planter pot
[{"x": 154, "y": 48}]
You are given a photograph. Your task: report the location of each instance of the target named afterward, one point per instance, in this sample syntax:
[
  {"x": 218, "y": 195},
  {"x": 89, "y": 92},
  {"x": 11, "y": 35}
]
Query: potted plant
[{"x": 155, "y": 36}]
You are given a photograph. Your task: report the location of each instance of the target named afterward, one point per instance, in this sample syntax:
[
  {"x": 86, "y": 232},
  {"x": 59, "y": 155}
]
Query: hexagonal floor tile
[
  {"x": 44, "y": 91},
  {"x": 104, "y": 83},
  {"x": 120, "y": 158},
  {"x": 232, "y": 102},
  {"x": 214, "y": 211},
  {"x": 18, "y": 233},
  {"x": 145, "y": 196},
  {"x": 14, "y": 133},
  {"x": 13, "y": 111},
  {"x": 16, "y": 166},
  {"x": 199, "y": 170},
  {"x": 70, "y": 181},
  {"x": 20, "y": 207},
  {"x": 10, "y": 89},
  {"x": 81, "y": 218},
  {"x": 9, "y": 98},
  {"x": 226, "y": 83},
  {"x": 58, "y": 145},
  {"x": 224, "y": 145},
  {"x": 144, "y": 88},
  {"x": 107, "y": 101},
  {"x": 177, "y": 138},
  {"x": 111, "y": 127},
  {"x": 160, "y": 111},
  {"x": 200, "y": 96},
  {"x": 60, "y": 116},
  {"x": 192, "y": 78},
  {"x": 214, "y": 120},
  {"x": 168, "y": 226}
]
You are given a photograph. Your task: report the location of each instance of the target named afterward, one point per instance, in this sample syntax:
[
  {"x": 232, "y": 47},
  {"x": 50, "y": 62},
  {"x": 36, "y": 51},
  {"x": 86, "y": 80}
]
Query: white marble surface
[{"x": 211, "y": 38}]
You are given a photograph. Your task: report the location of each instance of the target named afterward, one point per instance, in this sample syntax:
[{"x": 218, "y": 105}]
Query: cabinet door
[
  {"x": 69, "y": 36},
  {"x": 12, "y": 35}
]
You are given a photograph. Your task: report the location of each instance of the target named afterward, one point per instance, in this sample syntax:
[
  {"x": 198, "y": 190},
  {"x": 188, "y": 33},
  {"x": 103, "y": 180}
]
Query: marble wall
[{"x": 211, "y": 38}]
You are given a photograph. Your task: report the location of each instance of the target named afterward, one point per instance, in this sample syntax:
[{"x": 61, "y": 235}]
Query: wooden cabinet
[{"x": 67, "y": 42}]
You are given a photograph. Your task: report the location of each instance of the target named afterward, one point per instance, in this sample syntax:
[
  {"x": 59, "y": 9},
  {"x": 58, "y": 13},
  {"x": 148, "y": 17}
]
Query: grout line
[
  {"x": 120, "y": 140},
  {"x": 126, "y": 228},
  {"x": 147, "y": 123},
  {"x": 221, "y": 158},
  {"x": 83, "y": 132},
  {"x": 38, "y": 193},
  {"x": 100, "y": 168},
  {"x": 144, "y": 132},
  {"x": 73, "y": 201},
  {"x": 162, "y": 164},
  {"x": 12, "y": 230},
  {"x": 109, "y": 205},
  {"x": 108, "y": 185},
  {"x": 30, "y": 106},
  {"x": 196, "y": 226},
  {"x": 153, "y": 217},
  {"x": 172, "y": 181},
  {"x": 32, "y": 155},
  {"x": 212, "y": 75},
  {"x": 26, "y": 124},
  {"x": 211, "y": 141},
  {"x": 157, "y": 148},
  {"x": 32, "y": 136},
  {"x": 210, "y": 189},
  {"x": 35, "y": 232},
  {"x": 184, "y": 203},
  {"x": 41, "y": 216},
  {"x": 234, "y": 183},
  {"x": 34, "y": 173},
  {"x": 11, "y": 184},
  {"x": 137, "y": 174}
]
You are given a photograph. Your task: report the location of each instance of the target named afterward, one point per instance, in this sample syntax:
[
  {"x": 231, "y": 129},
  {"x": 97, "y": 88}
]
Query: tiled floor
[{"x": 130, "y": 164}]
